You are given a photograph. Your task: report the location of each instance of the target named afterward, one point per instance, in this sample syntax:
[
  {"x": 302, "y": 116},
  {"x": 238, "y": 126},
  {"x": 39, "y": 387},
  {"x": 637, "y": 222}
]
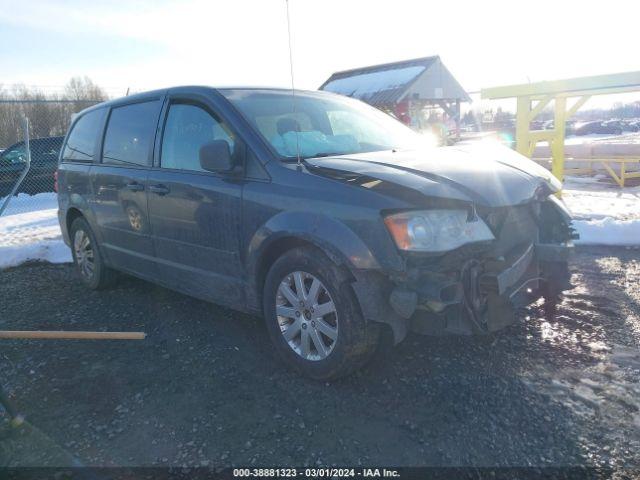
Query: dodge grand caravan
[{"x": 325, "y": 215}]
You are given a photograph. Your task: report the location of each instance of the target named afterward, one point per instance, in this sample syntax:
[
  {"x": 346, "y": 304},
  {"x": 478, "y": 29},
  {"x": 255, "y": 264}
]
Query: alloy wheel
[
  {"x": 307, "y": 316},
  {"x": 84, "y": 254}
]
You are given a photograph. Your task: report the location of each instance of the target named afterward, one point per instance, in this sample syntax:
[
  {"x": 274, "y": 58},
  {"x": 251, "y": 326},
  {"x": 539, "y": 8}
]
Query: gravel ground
[{"x": 205, "y": 387}]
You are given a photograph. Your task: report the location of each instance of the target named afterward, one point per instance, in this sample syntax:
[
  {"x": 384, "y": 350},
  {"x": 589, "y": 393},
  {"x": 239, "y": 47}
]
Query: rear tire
[
  {"x": 325, "y": 309},
  {"x": 87, "y": 257}
]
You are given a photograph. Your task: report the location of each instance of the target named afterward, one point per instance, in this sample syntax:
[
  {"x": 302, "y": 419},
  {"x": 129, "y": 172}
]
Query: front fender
[
  {"x": 332, "y": 236},
  {"x": 371, "y": 286}
]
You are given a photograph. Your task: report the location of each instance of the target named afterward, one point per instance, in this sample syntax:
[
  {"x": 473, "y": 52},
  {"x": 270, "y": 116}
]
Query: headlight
[{"x": 435, "y": 230}]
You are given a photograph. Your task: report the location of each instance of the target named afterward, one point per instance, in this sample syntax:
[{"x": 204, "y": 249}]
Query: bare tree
[
  {"x": 83, "y": 89},
  {"x": 49, "y": 114}
]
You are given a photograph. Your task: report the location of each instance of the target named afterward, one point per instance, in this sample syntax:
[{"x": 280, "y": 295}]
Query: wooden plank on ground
[{"x": 70, "y": 335}]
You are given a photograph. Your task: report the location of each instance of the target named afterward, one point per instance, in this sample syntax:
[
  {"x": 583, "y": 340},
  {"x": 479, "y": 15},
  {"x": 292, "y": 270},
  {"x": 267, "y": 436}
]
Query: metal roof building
[{"x": 402, "y": 86}]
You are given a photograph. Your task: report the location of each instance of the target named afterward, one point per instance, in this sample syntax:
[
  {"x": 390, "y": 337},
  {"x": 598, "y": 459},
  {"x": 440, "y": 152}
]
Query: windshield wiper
[
  {"x": 325, "y": 154},
  {"x": 311, "y": 157}
]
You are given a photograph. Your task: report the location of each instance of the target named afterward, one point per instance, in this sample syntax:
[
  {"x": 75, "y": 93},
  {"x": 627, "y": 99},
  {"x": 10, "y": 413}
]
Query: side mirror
[{"x": 215, "y": 156}]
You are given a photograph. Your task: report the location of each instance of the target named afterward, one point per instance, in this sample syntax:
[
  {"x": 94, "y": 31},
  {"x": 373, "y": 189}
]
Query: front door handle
[
  {"x": 159, "y": 189},
  {"x": 135, "y": 186}
]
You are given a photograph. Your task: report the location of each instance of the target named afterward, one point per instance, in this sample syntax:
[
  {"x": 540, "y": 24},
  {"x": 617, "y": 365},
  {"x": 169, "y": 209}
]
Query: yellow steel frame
[
  {"x": 532, "y": 98},
  {"x": 605, "y": 162}
]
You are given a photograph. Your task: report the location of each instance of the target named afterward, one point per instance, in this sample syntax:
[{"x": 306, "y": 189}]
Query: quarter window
[
  {"x": 188, "y": 128},
  {"x": 130, "y": 134},
  {"x": 81, "y": 143}
]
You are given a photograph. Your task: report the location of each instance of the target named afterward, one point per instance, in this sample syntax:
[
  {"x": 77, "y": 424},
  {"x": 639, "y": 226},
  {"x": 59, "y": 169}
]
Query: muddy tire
[
  {"x": 313, "y": 316},
  {"x": 87, "y": 257}
]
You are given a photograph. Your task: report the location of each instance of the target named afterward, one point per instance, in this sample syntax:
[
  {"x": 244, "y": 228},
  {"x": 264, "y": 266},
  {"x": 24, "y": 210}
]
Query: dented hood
[{"x": 488, "y": 175}]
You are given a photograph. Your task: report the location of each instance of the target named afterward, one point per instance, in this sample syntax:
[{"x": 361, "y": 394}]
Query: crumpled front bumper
[
  {"x": 527, "y": 268},
  {"x": 486, "y": 300},
  {"x": 476, "y": 297}
]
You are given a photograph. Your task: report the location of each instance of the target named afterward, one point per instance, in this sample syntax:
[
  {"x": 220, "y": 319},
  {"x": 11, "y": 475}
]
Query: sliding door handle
[{"x": 159, "y": 189}]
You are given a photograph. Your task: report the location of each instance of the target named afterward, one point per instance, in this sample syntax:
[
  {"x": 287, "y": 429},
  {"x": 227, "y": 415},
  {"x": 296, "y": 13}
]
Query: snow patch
[
  {"x": 608, "y": 231},
  {"x": 366, "y": 84},
  {"x": 33, "y": 234},
  {"x": 604, "y": 214},
  {"x": 24, "y": 202}
]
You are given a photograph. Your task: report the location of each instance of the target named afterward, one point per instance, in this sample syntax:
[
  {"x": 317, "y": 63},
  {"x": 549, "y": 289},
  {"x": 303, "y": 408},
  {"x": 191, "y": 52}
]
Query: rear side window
[
  {"x": 81, "y": 142},
  {"x": 130, "y": 133}
]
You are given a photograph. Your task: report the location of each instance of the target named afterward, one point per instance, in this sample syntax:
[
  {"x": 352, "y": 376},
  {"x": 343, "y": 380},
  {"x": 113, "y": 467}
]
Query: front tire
[
  {"x": 87, "y": 257},
  {"x": 313, "y": 316}
]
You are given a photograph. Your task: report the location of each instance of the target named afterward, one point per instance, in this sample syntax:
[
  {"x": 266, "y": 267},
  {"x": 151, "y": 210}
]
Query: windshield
[{"x": 320, "y": 124}]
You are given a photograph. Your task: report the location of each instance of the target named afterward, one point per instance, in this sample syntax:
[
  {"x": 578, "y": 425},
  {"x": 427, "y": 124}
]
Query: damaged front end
[
  {"x": 477, "y": 288},
  {"x": 484, "y": 236}
]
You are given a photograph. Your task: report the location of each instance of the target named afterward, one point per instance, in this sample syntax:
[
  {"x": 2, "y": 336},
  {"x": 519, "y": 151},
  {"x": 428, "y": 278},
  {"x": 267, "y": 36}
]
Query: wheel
[
  {"x": 87, "y": 257},
  {"x": 313, "y": 316}
]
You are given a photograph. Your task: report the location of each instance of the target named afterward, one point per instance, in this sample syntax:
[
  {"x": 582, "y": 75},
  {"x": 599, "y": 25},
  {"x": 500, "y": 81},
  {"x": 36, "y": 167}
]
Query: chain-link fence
[{"x": 48, "y": 122}]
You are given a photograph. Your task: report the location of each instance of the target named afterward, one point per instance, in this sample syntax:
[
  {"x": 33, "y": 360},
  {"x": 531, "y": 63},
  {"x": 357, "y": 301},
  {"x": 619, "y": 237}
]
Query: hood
[{"x": 493, "y": 176}]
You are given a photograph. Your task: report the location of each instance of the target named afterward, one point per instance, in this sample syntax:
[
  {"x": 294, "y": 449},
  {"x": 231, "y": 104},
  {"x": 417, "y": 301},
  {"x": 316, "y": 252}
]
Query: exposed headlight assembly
[{"x": 436, "y": 230}]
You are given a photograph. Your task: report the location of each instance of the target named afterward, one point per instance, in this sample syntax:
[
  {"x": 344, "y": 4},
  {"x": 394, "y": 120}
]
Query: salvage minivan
[{"x": 328, "y": 217}]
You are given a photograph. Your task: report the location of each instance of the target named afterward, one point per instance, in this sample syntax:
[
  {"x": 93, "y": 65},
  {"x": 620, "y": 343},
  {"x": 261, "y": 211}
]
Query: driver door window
[{"x": 189, "y": 127}]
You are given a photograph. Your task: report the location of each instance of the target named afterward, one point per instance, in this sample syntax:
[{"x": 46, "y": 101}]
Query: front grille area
[{"x": 512, "y": 227}]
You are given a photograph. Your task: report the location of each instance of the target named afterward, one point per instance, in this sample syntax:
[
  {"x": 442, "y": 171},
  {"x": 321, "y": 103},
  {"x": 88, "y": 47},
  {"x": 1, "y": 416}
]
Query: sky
[{"x": 145, "y": 44}]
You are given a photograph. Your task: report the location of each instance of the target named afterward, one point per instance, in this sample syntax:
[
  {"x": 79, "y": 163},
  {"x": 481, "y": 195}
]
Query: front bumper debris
[
  {"x": 504, "y": 280},
  {"x": 484, "y": 295}
]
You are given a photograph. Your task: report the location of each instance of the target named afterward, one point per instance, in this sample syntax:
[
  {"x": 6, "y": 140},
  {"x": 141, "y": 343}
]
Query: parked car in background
[
  {"x": 631, "y": 125},
  {"x": 332, "y": 220},
  {"x": 612, "y": 127},
  {"x": 44, "y": 162},
  {"x": 587, "y": 128},
  {"x": 550, "y": 125}
]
